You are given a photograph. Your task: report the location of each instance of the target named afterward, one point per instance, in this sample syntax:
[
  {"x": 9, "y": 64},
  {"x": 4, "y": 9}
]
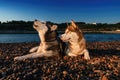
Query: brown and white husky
[
  {"x": 76, "y": 42},
  {"x": 49, "y": 45}
]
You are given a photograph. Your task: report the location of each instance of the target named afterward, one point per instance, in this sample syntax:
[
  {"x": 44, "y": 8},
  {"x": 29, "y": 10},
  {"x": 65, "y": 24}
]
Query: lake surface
[{"x": 13, "y": 38}]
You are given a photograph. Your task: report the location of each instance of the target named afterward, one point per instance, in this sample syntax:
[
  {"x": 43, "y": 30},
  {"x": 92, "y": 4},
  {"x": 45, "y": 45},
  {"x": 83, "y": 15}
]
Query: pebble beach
[{"x": 103, "y": 65}]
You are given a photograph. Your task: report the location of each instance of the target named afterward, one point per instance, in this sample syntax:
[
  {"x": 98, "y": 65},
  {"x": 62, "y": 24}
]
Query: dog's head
[
  {"x": 72, "y": 33},
  {"x": 46, "y": 29},
  {"x": 44, "y": 26}
]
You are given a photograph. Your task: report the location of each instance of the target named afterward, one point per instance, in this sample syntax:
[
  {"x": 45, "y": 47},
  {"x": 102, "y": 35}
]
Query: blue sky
[{"x": 100, "y": 11}]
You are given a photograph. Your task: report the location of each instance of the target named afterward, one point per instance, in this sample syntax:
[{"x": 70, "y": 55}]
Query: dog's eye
[{"x": 69, "y": 38}]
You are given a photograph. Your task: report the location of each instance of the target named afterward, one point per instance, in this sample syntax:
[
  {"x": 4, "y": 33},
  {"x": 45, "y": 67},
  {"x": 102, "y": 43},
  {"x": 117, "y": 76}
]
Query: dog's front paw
[
  {"x": 18, "y": 59},
  {"x": 87, "y": 57}
]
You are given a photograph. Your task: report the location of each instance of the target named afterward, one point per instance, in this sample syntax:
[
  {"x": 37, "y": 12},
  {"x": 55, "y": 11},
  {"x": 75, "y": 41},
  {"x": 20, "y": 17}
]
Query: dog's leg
[
  {"x": 29, "y": 56},
  {"x": 49, "y": 53},
  {"x": 34, "y": 49},
  {"x": 34, "y": 55},
  {"x": 86, "y": 54}
]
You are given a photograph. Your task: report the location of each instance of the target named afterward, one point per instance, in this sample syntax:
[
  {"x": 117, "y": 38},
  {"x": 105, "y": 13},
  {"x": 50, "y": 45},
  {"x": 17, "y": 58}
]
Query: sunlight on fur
[{"x": 76, "y": 42}]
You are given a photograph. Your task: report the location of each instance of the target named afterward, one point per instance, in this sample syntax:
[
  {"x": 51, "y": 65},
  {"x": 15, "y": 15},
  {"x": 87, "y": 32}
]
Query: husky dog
[
  {"x": 76, "y": 42},
  {"x": 49, "y": 45}
]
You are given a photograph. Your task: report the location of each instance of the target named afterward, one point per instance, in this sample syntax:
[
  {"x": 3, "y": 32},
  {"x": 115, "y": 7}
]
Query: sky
[{"x": 89, "y": 11}]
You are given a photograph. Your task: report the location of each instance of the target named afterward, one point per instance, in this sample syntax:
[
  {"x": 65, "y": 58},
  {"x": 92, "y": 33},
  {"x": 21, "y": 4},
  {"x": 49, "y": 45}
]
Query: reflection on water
[{"x": 12, "y": 38}]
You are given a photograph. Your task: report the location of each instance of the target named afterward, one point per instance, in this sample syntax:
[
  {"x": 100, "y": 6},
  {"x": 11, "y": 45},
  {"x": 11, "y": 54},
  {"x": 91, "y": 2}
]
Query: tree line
[{"x": 28, "y": 26}]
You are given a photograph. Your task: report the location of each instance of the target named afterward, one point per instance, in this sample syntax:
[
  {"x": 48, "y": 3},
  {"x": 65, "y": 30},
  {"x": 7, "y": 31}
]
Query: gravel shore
[{"x": 104, "y": 63}]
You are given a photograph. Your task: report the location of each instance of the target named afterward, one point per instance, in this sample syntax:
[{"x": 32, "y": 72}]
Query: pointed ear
[
  {"x": 73, "y": 24},
  {"x": 54, "y": 27},
  {"x": 67, "y": 25}
]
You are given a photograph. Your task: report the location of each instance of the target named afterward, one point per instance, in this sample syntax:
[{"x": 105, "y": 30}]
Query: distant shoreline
[
  {"x": 34, "y": 32},
  {"x": 103, "y": 32}
]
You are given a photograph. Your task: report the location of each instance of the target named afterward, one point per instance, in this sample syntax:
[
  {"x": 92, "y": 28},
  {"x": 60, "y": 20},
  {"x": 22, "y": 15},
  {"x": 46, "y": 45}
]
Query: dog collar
[{"x": 51, "y": 40}]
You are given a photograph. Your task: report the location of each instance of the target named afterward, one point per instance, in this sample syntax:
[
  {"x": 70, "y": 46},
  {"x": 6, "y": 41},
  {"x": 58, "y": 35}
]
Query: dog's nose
[{"x": 35, "y": 19}]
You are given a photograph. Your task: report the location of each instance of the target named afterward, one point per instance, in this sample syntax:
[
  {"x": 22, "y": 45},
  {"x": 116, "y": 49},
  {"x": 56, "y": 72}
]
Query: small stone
[
  {"x": 19, "y": 49},
  {"x": 65, "y": 57},
  {"x": 7, "y": 57},
  {"x": 118, "y": 48},
  {"x": 18, "y": 78},
  {"x": 104, "y": 78},
  {"x": 48, "y": 70},
  {"x": 65, "y": 73},
  {"x": 34, "y": 71}
]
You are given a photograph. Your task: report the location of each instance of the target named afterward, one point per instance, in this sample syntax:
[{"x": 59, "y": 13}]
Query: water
[
  {"x": 102, "y": 37},
  {"x": 13, "y": 38}
]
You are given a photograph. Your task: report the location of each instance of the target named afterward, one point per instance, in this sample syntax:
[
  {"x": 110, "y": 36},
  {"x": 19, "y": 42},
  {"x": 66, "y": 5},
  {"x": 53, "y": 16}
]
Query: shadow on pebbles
[{"x": 104, "y": 63}]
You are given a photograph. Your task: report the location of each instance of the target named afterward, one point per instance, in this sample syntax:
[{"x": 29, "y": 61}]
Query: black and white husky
[{"x": 49, "y": 45}]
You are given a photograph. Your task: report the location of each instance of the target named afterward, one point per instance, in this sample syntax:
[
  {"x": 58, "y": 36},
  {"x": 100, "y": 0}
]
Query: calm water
[{"x": 12, "y": 38}]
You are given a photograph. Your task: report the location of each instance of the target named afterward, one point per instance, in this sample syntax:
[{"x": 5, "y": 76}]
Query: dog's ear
[
  {"x": 54, "y": 27},
  {"x": 73, "y": 24}
]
